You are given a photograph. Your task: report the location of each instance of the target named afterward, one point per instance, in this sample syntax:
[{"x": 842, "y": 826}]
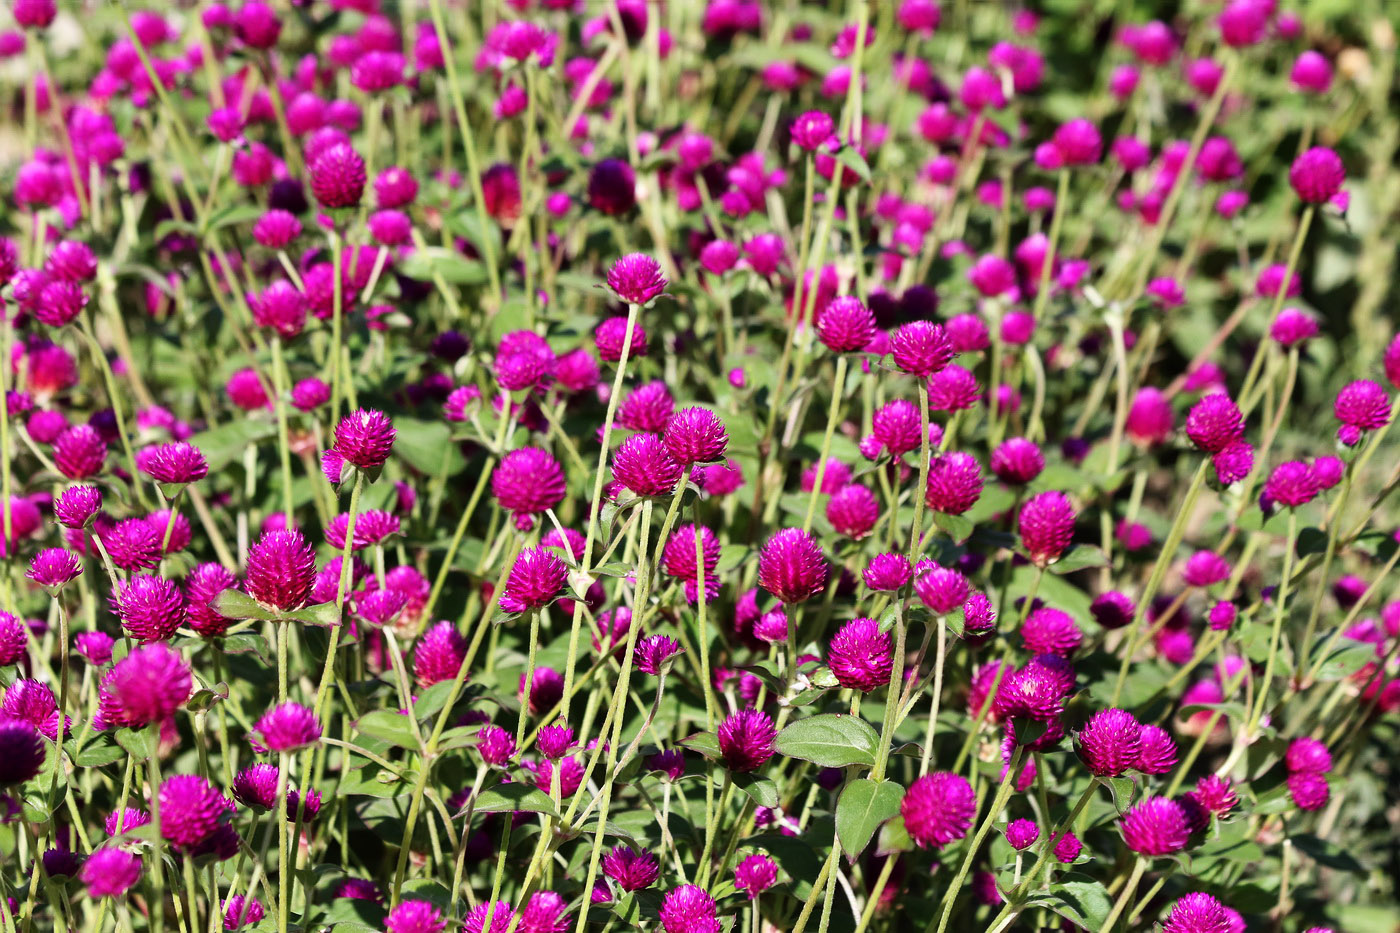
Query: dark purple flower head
[
  {"x": 1017, "y": 461},
  {"x": 954, "y": 483},
  {"x": 630, "y": 869},
  {"x": 938, "y": 809},
  {"x": 861, "y": 656},
  {"x": 636, "y": 279},
  {"x": 1233, "y": 463},
  {"x": 1215, "y": 794},
  {"x": 1309, "y": 790},
  {"x": 887, "y": 572},
  {"x": 151, "y": 607},
  {"x": 365, "y": 438},
  {"x": 1109, "y": 743},
  {"x": 1308, "y": 754},
  {"x": 791, "y": 566},
  {"x": 79, "y": 452},
  {"x": 921, "y": 349},
  {"x": 287, "y": 728},
  {"x": 643, "y": 465},
  {"x": 1022, "y": 834},
  {"x": 1046, "y": 524},
  {"x": 1156, "y": 750},
  {"x": 654, "y": 652},
  {"x": 438, "y": 655},
  {"x": 338, "y": 177},
  {"x": 281, "y": 570},
  {"x": 177, "y": 462},
  {"x": 695, "y": 435},
  {"x": 495, "y": 745},
  {"x": 1360, "y": 406},
  {"x": 755, "y": 874},
  {"x": 846, "y": 325},
  {"x": 1156, "y": 826},
  {"x": 1067, "y": 848},
  {"x": 528, "y": 481},
  {"x": 1214, "y": 423},
  {"x": 812, "y": 129},
  {"x": 52, "y": 568},
  {"x": 21, "y": 750},
  {"x": 688, "y": 909},
  {"x": 746, "y": 740},
  {"x": 1291, "y": 484},
  {"x": 109, "y": 872},
  {"x": 612, "y": 189},
  {"x": 535, "y": 579},
  {"x": 1317, "y": 175}
]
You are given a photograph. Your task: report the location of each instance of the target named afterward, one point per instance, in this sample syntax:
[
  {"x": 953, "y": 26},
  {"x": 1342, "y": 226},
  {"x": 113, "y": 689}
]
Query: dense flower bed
[{"x": 605, "y": 464}]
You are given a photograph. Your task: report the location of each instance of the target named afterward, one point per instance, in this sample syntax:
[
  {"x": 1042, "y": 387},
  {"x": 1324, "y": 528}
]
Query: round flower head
[
  {"x": 1328, "y": 472},
  {"x": 719, "y": 256},
  {"x": 310, "y": 394},
  {"x": 528, "y": 481},
  {"x": 240, "y": 911},
  {"x": 133, "y": 543},
  {"x": 1022, "y": 834},
  {"x": 1317, "y": 175},
  {"x": 555, "y": 741},
  {"x": 1292, "y": 327},
  {"x": 1078, "y": 142},
  {"x": 21, "y": 750},
  {"x": 1017, "y": 461},
  {"x": 636, "y": 279},
  {"x": 203, "y": 585},
  {"x": 811, "y": 129},
  {"x": 1214, "y": 423},
  {"x": 861, "y": 656},
  {"x": 1156, "y": 750},
  {"x": 887, "y": 572},
  {"x": 612, "y": 188},
  {"x": 643, "y": 465},
  {"x": 281, "y": 570},
  {"x": 1046, "y": 524},
  {"x": 59, "y": 303},
  {"x": 1215, "y": 794},
  {"x": 190, "y": 809},
  {"x": 438, "y": 655},
  {"x": 942, "y": 589},
  {"x": 545, "y": 912},
  {"x": 77, "y": 506},
  {"x": 14, "y": 640},
  {"x": 338, "y": 177},
  {"x": 1308, "y": 754},
  {"x": 954, "y": 483},
  {"x": 256, "y": 786},
  {"x": 535, "y": 579},
  {"x": 1233, "y": 463},
  {"x": 1309, "y": 790},
  {"x": 896, "y": 425},
  {"x": 79, "y": 452},
  {"x": 281, "y": 308},
  {"x": 1048, "y": 630},
  {"x": 173, "y": 463},
  {"x": 1205, "y": 568},
  {"x": 938, "y": 808},
  {"x": 695, "y": 435},
  {"x": 1197, "y": 913},
  {"x": 1109, "y": 743},
  {"x": 846, "y": 325},
  {"x": 495, "y": 745},
  {"x": 611, "y": 338},
  {"x": 276, "y": 228},
  {"x": 1155, "y": 826},
  {"x": 151, "y": 607},
  {"x": 746, "y": 740},
  {"x": 688, "y": 909},
  {"x": 1067, "y": 848},
  {"x": 678, "y": 556},
  {"x": 853, "y": 511},
  {"x": 921, "y": 349},
  {"x": 423, "y": 917},
  {"x": 631, "y": 870},
  {"x": 53, "y": 567},
  {"x": 791, "y": 566},
  {"x": 288, "y": 727},
  {"x": 110, "y": 872},
  {"x": 1291, "y": 484},
  {"x": 1360, "y": 406},
  {"x": 364, "y": 438},
  {"x": 755, "y": 874},
  {"x": 1222, "y": 615},
  {"x": 654, "y": 651}
]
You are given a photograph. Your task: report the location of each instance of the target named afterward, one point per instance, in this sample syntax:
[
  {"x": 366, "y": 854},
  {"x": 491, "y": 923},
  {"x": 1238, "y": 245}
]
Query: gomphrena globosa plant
[{"x": 532, "y": 466}]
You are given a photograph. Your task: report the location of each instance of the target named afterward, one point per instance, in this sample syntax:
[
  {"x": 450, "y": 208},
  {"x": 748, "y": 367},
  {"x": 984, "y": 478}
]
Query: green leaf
[
  {"x": 830, "y": 741},
  {"x": 236, "y": 605},
  {"x": 1328, "y": 854},
  {"x": 233, "y": 216},
  {"x": 954, "y": 526},
  {"x": 894, "y": 837},
  {"x": 101, "y": 751},
  {"x": 322, "y": 614},
  {"x": 1079, "y": 557},
  {"x": 731, "y": 556},
  {"x": 137, "y": 742},
  {"x": 706, "y": 743},
  {"x": 393, "y": 727},
  {"x": 454, "y": 268},
  {"x": 763, "y": 791},
  {"x": 1346, "y": 661},
  {"x": 226, "y": 443},
  {"x": 1081, "y": 900},
  {"x": 863, "y": 807},
  {"x": 507, "y": 798},
  {"x": 244, "y": 642},
  {"x": 850, "y": 157},
  {"x": 427, "y": 447},
  {"x": 1123, "y": 789},
  {"x": 431, "y": 700}
]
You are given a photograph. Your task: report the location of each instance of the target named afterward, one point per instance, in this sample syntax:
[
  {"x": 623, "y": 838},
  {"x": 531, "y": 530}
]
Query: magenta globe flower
[
  {"x": 688, "y": 909},
  {"x": 1046, "y": 524},
  {"x": 746, "y": 740},
  {"x": 861, "y": 656},
  {"x": 281, "y": 570},
  {"x": 146, "y": 686},
  {"x": 636, "y": 279},
  {"x": 791, "y": 566},
  {"x": 938, "y": 809},
  {"x": 288, "y": 727},
  {"x": 109, "y": 872},
  {"x": 1154, "y": 827},
  {"x": 364, "y": 438}
]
